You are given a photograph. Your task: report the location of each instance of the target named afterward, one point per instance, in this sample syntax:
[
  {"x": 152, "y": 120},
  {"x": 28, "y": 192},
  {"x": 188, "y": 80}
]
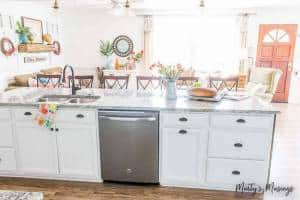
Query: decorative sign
[
  {"x": 35, "y": 27},
  {"x": 34, "y": 59}
]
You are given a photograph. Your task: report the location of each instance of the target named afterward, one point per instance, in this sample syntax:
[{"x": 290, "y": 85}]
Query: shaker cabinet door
[
  {"x": 181, "y": 154},
  {"x": 36, "y": 150},
  {"x": 77, "y": 151}
]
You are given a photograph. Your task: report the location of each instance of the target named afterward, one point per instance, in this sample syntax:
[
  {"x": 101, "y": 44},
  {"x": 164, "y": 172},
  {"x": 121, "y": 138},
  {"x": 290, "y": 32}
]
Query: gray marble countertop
[{"x": 134, "y": 100}]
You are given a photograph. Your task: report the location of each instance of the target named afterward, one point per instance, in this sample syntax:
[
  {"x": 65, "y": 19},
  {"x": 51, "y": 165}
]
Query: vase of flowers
[
  {"x": 106, "y": 50},
  {"x": 133, "y": 59},
  {"x": 170, "y": 74}
]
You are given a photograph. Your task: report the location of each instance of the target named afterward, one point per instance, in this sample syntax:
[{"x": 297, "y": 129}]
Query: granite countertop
[{"x": 134, "y": 100}]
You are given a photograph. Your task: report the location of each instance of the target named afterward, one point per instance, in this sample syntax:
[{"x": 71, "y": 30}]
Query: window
[
  {"x": 276, "y": 35},
  {"x": 205, "y": 44}
]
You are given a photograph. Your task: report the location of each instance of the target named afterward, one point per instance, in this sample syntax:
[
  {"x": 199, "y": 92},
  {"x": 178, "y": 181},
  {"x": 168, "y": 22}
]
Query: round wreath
[
  {"x": 57, "y": 47},
  {"x": 7, "y": 46}
]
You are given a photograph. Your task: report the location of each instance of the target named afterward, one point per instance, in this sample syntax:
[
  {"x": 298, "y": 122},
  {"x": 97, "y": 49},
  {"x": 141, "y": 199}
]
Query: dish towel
[{"x": 46, "y": 115}]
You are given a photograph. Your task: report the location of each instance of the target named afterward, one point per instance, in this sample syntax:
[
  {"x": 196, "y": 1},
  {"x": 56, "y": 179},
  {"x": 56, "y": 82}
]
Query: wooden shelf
[{"x": 35, "y": 48}]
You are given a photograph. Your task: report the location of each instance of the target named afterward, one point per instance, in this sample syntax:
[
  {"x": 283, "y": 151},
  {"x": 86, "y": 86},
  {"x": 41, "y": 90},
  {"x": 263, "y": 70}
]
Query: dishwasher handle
[{"x": 131, "y": 119}]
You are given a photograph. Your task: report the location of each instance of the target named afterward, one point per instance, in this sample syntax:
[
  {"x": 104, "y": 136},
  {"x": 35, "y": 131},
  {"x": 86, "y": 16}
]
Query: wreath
[
  {"x": 57, "y": 48},
  {"x": 7, "y": 46}
]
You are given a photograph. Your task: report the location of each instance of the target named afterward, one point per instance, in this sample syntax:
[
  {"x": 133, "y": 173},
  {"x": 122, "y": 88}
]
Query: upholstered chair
[{"x": 263, "y": 82}]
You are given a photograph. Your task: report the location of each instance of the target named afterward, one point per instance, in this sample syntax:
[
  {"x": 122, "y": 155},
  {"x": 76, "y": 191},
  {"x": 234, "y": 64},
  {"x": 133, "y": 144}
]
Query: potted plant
[
  {"x": 23, "y": 33},
  {"x": 106, "y": 50},
  {"x": 170, "y": 73}
]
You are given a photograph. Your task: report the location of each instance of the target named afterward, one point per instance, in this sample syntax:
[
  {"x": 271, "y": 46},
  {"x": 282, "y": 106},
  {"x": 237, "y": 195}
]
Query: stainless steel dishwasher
[{"x": 129, "y": 146}]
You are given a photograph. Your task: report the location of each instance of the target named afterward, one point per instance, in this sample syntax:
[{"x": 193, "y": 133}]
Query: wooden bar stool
[
  {"x": 48, "y": 80},
  {"x": 224, "y": 82},
  {"x": 148, "y": 82},
  {"x": 185, "y": 82},
  {"x": 115, "y": 82},
  {"x": 84, "y": 81}
]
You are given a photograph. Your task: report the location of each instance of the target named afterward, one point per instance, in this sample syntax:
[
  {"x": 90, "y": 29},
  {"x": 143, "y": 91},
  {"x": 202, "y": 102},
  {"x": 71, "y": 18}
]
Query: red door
[{"x": 276, "y": 44}]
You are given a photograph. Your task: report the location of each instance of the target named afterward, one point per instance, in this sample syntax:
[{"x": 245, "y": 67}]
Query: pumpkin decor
[
  {"x": 7, "y": 46},
  {"x": 57, "y": 48}
]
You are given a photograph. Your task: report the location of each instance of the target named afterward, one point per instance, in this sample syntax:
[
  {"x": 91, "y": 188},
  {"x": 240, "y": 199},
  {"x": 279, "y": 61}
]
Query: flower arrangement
[
  {"x": 170, "y": 72},
  {"x": 133, "y": 59}
]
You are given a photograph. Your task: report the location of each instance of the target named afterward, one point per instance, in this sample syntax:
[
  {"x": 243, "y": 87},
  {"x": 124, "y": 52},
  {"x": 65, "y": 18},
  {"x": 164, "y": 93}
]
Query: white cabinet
[
  {"x": 36, "y": 150},
  {"x": 7, "y": 159},
  {"x": 6, "y": 139},
  {"x": 183, "y": 149},
  {"x": 181, "y": 154},
  {"x": 77, "y": 150},
  {"x": 69, "y": 151}
]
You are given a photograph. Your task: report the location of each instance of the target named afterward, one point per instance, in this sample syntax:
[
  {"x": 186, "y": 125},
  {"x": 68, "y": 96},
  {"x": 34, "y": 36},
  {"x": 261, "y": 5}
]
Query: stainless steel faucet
[{"x": 74, "y": 89}]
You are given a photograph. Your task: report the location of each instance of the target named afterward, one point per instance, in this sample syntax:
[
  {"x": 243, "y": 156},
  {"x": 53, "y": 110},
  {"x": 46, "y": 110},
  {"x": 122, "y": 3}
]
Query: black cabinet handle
[
  {"x": 182, "y": 132},
  {"x": 27, "y": 113},
  {"x": 56, "y": 129},
  {"x": 80, "y": 116},
  {"x": 241, "y": 121},
  {"x": 183, "y": 119},
  {"x": 238, "y": 145},
  {"x": 236, "y": 172},
  {"x": 51, "y": 129}
]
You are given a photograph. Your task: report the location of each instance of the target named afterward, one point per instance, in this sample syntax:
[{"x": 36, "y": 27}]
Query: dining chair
[
  {"x": 83, "y": 81},
  {"x": 185, "y": 82},
  {"x": 48, "y": 80},
  {"x": 148, "y": 82},
  {"x": 115, "y": 82}
]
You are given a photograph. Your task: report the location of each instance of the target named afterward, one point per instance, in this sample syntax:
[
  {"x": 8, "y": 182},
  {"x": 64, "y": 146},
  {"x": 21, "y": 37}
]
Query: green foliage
[
  {"x": 22, "y": 30},
  {"x": 106, "y": 48}
]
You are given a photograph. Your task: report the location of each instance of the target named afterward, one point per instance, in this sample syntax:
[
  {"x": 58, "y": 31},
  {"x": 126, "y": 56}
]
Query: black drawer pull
[
  {"x": 183, "y": 119},
  {"x": 27, "y": 113},
  {"x": 56, "y": 129},
  {"x": 235, "y": 172},
  {"x": 238, "y": 145},
  {"x": 182, "y": 132},
  {"x": 80, "y": 116},
  {"x": 51, "y": 129},
  {"x": 241, "y": 121}
]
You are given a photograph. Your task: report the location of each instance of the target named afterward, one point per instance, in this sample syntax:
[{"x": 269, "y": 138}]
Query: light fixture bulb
[{"x": 55, "y": 5}]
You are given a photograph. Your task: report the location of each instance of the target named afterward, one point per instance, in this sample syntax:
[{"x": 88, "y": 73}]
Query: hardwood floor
[{"x": 285, "y": 170}]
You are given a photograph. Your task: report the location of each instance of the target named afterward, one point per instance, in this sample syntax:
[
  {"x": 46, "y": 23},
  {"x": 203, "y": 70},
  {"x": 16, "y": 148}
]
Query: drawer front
[
  {"x": 4, "y": 114},
  {"x": 24, "y": 114},
  {"x": 6, "y": 135},
  {"x": 231, "y": 172},
  {"x": 242, "y": 121},
  {"x": 7, "y": 159},
  {"x": 239, "y": 145},
  {"x": 191, "y": 120},
  {"x": 75, "y": 116}
]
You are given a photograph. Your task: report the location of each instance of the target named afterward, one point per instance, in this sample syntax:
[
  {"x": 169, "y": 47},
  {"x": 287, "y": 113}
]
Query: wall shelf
[{"x": 35, "y": 48}]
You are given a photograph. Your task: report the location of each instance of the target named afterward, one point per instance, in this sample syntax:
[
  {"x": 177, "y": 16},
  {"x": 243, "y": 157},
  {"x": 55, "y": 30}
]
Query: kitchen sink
[
  {"x": 72, "y": 99},
  {"x": 85, "y": 99}
]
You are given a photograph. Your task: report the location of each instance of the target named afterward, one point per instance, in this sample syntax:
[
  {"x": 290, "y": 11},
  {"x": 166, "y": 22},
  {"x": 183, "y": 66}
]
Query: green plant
[
  {"x": 106, "y": 48},
  {"x": 171, "y": 72},
  {"x": 22, "y": 30}
]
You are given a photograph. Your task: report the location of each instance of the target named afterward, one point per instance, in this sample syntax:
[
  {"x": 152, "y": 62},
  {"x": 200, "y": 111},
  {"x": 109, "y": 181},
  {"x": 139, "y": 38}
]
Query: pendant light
[{"x": 55, "y": 5}]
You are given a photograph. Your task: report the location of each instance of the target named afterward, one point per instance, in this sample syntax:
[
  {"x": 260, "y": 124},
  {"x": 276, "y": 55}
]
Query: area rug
[{"x": 14, "y": 195}]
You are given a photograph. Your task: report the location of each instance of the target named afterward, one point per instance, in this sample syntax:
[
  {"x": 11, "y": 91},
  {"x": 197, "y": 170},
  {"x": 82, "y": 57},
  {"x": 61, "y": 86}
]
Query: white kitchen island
[{"x": 202, "y": 145}]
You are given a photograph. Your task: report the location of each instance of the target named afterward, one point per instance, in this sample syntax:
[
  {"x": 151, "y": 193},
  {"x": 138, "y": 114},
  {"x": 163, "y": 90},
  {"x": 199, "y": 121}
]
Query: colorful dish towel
[{"x": 45, "y": 117}]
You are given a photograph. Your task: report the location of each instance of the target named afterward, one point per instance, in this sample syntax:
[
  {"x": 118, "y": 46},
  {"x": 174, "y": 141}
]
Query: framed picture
[{"x": 35, "y": 27}]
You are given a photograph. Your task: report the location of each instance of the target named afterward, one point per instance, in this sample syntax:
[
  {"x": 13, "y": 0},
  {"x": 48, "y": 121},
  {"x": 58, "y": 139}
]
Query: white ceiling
[{"x": 172, "y": 5}]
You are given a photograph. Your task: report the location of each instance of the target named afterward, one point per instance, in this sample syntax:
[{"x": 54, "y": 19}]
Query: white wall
[
  {"x": 84, "y": 28},
  {"x": 280, "y": 16},
  {"x": 15, "y": 63}
]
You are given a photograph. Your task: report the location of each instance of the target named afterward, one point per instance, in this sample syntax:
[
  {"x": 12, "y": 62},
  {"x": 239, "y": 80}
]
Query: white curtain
[
  {"x": 205, "y": 44},
  {"x": 148, "y": 26}
]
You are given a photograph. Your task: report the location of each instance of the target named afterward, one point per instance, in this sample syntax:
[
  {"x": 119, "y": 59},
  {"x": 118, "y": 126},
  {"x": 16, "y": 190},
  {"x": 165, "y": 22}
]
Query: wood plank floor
[{"x": 285, "y": 170}]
